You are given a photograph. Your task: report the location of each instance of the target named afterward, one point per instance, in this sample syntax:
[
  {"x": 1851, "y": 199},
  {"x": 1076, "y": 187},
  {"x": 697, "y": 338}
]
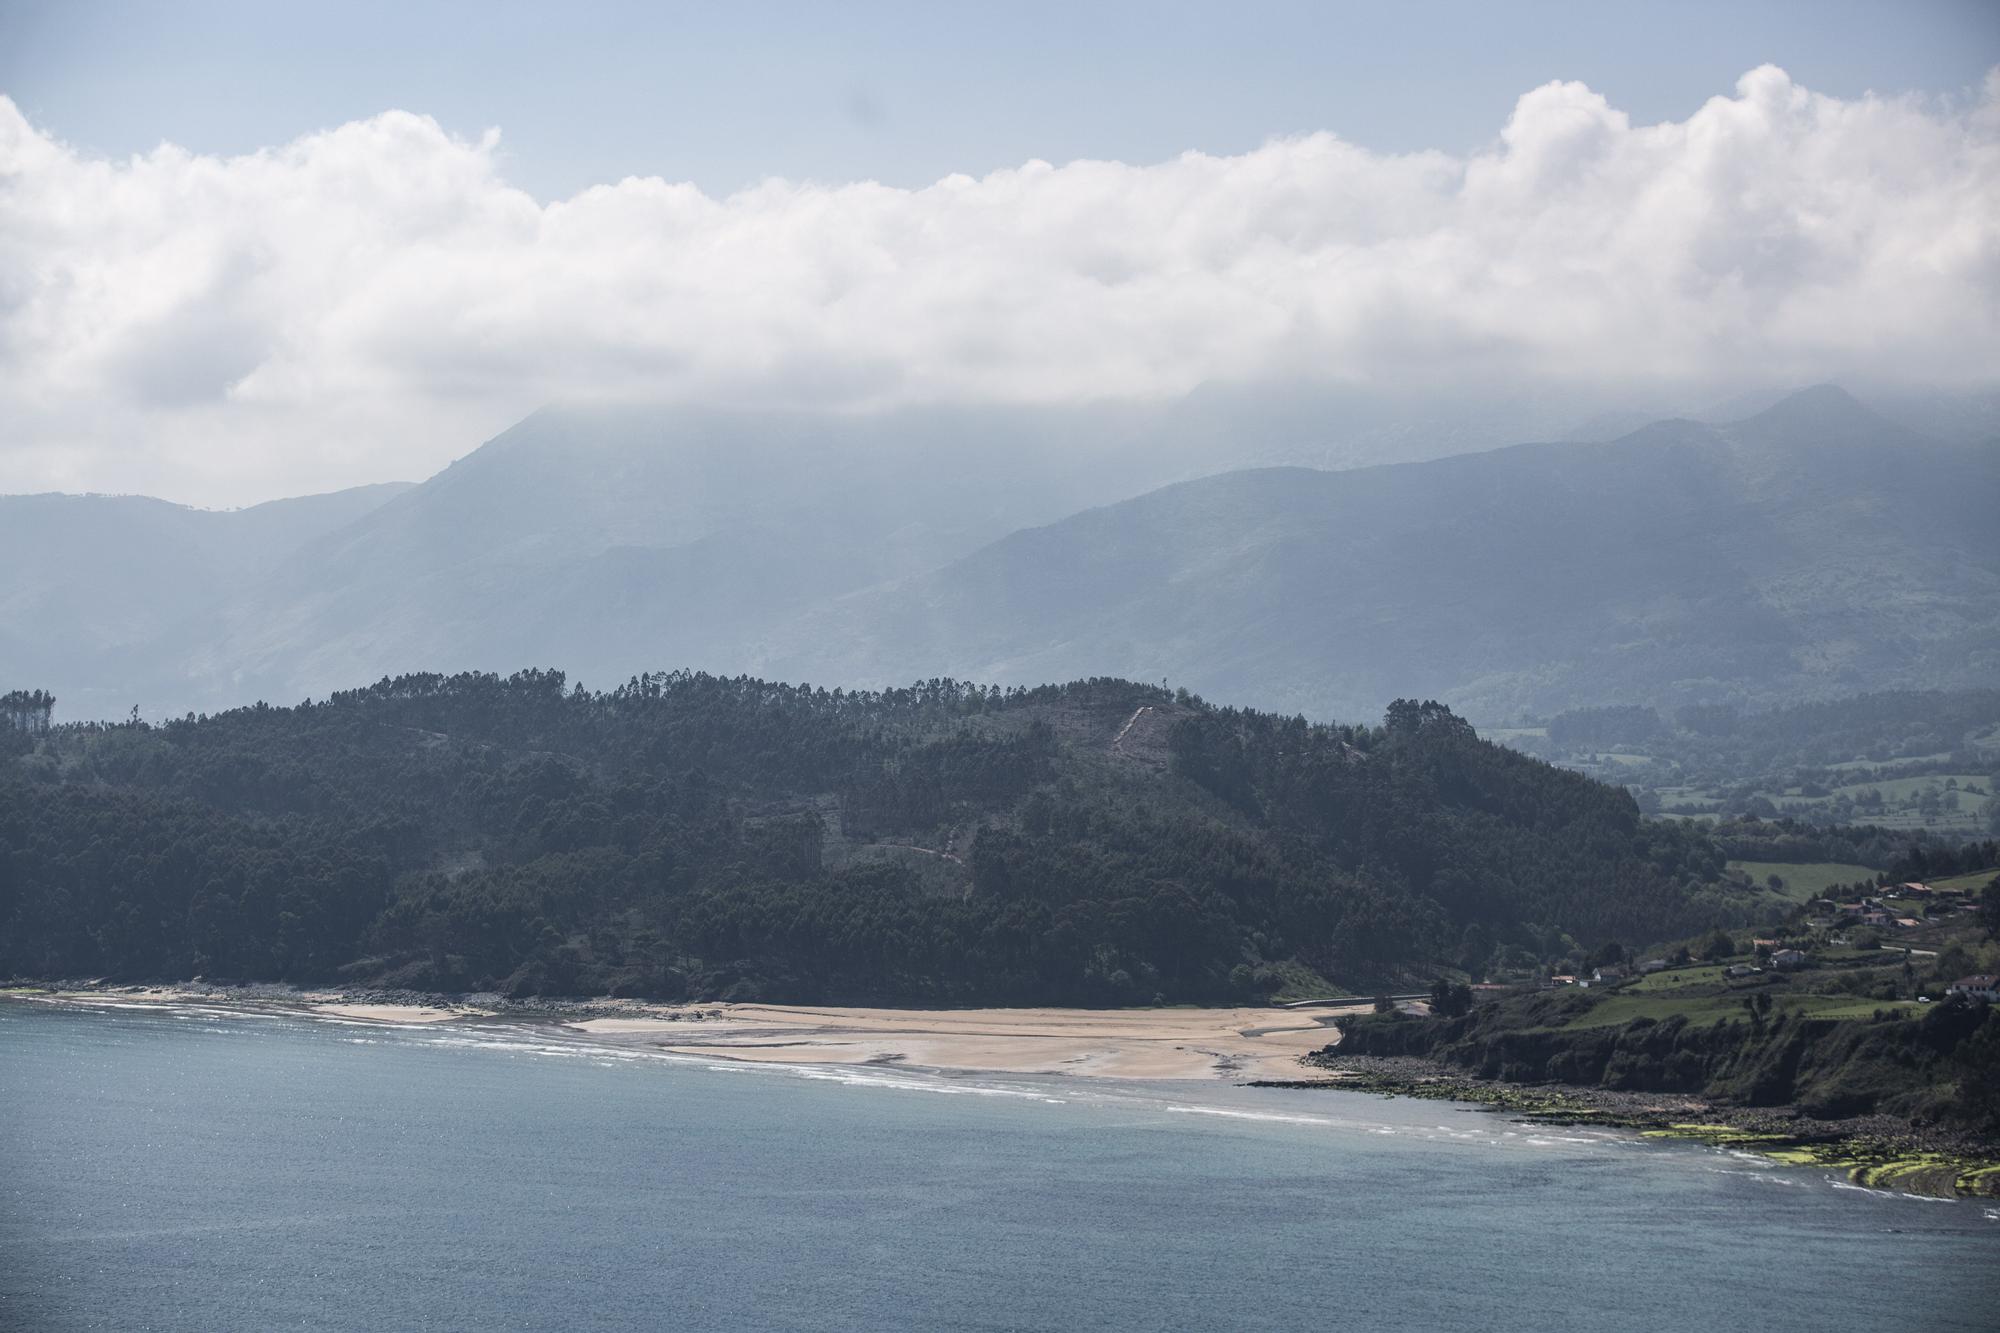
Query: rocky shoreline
[{"x": 1878, "y": 1152}]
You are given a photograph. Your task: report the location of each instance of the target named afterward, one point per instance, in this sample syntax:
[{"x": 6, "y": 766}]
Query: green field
[
  {"x": 1962, "y": 822},
  {"x": 1900, "y": 809},
  {"x": 1907, "y": 761},
  {"x": 1627, "y": 1005},
  {"x": 1502, "y": 735},
  {"x": 1845, "y": 954},
  {"x": 1682, "y": 800},
  {"x": 1974, "y": 789},
  {"x": 1660, "y": 1005},
  {"x": 1897, "y": 790},
  {"x": 1850, "y": 1006},
  {"x": 1804, "y": 881},
  {"x": 1969, "y": 883},
  {"x": 1676, "y": 979}
]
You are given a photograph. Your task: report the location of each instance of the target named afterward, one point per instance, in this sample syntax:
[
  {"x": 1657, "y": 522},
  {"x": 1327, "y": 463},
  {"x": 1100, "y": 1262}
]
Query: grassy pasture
[
  {"x": 1708, "y": 1006},
  {"x": 1677, "y": 979},
  {"x": 1973, "y": 788},
  {"x": 1505, "y": 735},
  {"x": 1804, "y": 881},
  {"x": 1907, "y": 761},
  {"x": 1898, "y": 790},
  {"x": 1964, "y": 823},
  {"x": 1900, "y": 808}
]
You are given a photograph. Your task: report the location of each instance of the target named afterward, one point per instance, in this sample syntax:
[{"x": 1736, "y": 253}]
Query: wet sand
[
  {"x": 1130, "y": 1043},
  {"x": 399, "y": 1013}
]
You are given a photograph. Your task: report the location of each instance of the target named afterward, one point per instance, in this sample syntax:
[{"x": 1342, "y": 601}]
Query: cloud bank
[{"x": 369, "y": 301}]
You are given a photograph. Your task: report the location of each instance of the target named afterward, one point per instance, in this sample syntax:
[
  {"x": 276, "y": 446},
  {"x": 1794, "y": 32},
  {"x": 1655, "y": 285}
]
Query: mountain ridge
[
  {"x": 1811, "y": 548},
  {"x": 1766, "y": 520}
]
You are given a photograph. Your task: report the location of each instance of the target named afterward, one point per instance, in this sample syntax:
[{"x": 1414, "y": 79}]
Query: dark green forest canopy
[{"x": 1099, "y": 842}]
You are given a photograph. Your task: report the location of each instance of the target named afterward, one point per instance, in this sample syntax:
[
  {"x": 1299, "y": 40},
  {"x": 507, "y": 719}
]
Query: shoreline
[
  {"x": 1875, "y": 1152},
  {"x": 1174, "y": 1044},
  {"x": 1257, "y": 1047}
]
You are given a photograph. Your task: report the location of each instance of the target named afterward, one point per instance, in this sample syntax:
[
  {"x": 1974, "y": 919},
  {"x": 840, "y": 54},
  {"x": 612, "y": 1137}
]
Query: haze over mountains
[
  {"x": 1813, "y": 548},
  {"x": 94, "y": 583}
]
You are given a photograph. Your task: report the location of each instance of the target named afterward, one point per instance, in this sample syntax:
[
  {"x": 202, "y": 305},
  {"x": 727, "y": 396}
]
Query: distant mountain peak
[
  {"x": 1819, "y": 406},
  {"x": 1673, "y": 430}
]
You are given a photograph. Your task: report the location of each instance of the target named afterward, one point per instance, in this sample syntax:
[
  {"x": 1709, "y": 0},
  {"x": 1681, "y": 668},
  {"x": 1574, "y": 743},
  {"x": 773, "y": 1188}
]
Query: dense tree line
[
  {"x": 1610, "y": 724},
  {"x": 692, "y": 836},
  {"x": 1895, "y": 854}
]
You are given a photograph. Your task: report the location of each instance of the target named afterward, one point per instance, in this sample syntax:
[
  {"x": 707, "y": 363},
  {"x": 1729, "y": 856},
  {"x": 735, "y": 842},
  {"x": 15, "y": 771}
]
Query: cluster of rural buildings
[
  {"x": 1882, "y": 912},
  {"x": 1775, "y": 953},
  {"x": 1782, "y": 959},
  {"x": 1826, "y": 923}
]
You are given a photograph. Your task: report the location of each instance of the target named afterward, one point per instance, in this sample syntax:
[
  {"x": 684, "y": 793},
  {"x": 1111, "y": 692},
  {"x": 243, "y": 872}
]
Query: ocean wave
[
  {"x": 857, "y": 1078},
  {"x": 1875, "y": 1193},
  {"x": 1271, "y": 1116},
  {"x": 1762, "y": 1177}
]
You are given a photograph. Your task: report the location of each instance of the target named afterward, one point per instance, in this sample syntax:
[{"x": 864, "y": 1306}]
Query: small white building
[
  {"x": 1978, "y": 987},
  {"x": 1786, "y": 960}
]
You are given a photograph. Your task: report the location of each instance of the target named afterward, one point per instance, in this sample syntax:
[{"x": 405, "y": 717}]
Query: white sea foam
[
  {"x": 859, "y": 1078},
  {"x": 1762, "y": 1177},
  {"x": 1874, "y": 1193},
  {"x": 1272, "y": 1117}
]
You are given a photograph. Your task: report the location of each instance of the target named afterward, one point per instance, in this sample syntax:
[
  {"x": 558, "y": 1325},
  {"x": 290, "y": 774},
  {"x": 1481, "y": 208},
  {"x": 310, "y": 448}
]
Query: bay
[{"x": 199, "y": 1167}]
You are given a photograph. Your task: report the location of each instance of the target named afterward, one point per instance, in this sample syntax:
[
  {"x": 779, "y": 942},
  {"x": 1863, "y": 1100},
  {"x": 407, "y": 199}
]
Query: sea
[{"x": 203, "y": 1167}]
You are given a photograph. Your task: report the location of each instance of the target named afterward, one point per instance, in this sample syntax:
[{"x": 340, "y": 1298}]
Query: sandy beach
[
  {"x": 1178, "y": 1043},
  {"x": 400, "y": 1013},
  {"x": 1116, "y": 1043}
]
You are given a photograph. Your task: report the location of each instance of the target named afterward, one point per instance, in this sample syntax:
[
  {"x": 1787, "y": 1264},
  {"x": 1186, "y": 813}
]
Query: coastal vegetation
[{"x": 1869, "y": 1057}]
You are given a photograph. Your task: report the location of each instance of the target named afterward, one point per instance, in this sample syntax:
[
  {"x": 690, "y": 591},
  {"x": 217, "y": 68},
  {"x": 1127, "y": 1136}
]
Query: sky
[{"x": 252, "y": 250}]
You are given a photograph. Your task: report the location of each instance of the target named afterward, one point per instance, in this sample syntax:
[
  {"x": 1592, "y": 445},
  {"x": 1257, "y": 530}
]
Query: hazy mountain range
[{"x": 1811, "y": 548}]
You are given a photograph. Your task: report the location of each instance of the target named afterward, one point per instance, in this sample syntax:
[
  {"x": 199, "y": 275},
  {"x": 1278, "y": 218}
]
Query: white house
[{"x": 1980, "y": 987}]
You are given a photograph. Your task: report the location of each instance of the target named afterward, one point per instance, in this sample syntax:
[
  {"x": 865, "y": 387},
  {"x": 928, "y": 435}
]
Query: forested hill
[{"x": 1100, "y": 842}]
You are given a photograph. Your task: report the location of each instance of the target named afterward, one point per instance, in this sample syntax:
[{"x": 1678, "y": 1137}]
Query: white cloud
[{"x": 369, "y": 301}]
